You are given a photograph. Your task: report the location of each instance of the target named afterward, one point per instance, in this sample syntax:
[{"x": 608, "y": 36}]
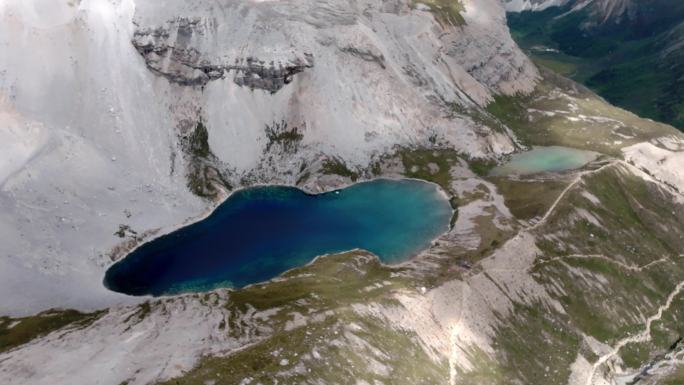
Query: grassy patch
[
  {"x": 528, "y": 199},
  {"x": 637, "y": 220},
  {"x": 559, "y": 112},
  {"x": 674, "y": 378},
  {"x": 537, "y": 345},
  {"x": 342, "y": 349},
  {"x": 666, "y": 337},
  {"x": 491, "y": 236},
  {"x": 329, "y": 281},
  {"x": 204, "y": 178},
  {"x": 280, "y": 134},
  {"x": 335, "y": 344},
  {"x": 561, "y": 64},
  {"x": 447, "y": 12},
  {"x": 608, "y": 314},
  {"x": 481, "y": 167},
  {"x": 142, "y": 311},
  {"x": 198, "y": 141},
  {"x": 336, "y": 166},
  {"x": 433, "y": 165},
  {"x": 485, "y": 369},
  {"x": 479, "y": 116},
  {"x": 18, "y": 331},
  {"x": 635, "y": 223}
]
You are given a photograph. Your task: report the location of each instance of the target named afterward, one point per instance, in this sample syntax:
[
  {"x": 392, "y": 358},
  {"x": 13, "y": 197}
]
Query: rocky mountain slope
[
  {"x": 554, "y": 278},
  {"x": 123, "y": 119},
  {"x": 568, "y": 277},
  {"x": 627, "y": 51}
]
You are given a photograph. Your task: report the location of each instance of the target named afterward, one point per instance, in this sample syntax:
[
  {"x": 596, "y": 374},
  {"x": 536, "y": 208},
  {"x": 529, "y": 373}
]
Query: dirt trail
[
  {"x": 645, "y": 335},
  {"x": 634, "y": 268},
  {"x": 574, "y": 183}
]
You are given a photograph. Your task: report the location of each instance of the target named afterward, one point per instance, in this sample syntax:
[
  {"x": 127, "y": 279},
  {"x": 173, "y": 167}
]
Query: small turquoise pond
[
  {"x": 545, "y": 159},
  {"x": 258, "y": 233}
]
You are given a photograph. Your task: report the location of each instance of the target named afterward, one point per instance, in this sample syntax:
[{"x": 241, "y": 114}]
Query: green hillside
[{"x": 635, "y": 61}]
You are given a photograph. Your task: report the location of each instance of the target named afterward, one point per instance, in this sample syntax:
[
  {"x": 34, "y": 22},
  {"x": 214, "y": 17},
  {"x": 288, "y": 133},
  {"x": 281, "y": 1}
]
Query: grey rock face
[
  {"x": 254, "y": 73},
  {"x": 168, "y": 52},
  {"x": 366, "y": 55}
]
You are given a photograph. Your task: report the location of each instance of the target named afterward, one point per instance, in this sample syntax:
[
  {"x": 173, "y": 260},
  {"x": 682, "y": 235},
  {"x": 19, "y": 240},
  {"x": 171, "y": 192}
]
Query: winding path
[
  {"x": 645, "y": 335},
  {"x": 635, "y": 268},
  {"x": 575, "y": 182}
]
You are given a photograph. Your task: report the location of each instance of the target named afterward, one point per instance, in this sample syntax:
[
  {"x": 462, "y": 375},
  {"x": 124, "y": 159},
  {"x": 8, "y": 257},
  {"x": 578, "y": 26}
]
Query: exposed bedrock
[{"x": 169, "y": 52}]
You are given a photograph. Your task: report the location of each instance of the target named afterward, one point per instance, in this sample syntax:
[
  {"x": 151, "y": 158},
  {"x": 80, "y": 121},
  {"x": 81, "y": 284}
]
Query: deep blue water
[{"x": 261, "y": 232}]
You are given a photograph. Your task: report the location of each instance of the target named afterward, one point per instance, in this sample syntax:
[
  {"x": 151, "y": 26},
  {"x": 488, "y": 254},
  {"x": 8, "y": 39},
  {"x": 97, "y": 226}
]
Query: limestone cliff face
[
  {"x": 198, "y": 44},
  {"x": 361, "y": 77},
  {"x": 169, "y": 51}
]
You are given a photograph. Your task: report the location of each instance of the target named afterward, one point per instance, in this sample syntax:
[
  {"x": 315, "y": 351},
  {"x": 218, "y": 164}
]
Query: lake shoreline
[
  {"x": 540, "y": 159},
  {"x": 442, "y": 197}
]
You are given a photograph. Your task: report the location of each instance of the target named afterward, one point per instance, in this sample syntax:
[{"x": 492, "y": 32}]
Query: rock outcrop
[{"x": 168, "y": 52}]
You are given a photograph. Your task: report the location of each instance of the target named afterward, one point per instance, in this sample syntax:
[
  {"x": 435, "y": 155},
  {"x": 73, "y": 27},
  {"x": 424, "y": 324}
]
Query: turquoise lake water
[
  {"x": 259, "y": 233},
  {"x": 545, "y": 159}
]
